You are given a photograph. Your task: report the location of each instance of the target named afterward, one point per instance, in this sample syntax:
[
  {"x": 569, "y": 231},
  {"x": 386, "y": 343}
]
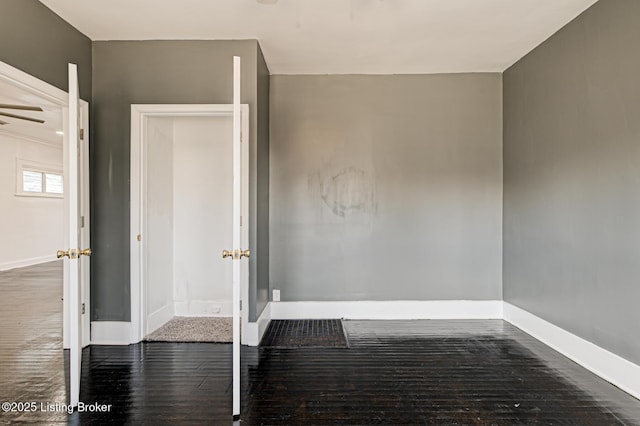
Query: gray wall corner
[
  {"x": 570, "y": 178},
  {"x": 263, "y": 164}
]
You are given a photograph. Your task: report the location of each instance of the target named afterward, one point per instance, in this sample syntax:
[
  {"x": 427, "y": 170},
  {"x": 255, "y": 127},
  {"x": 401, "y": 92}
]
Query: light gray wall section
[
  {"x": 386, "y": 187},
  {"x": 572, "y": 178},
  {"x": 135, "y": 72},
  {"x": 262, "y": 219},
  {"x": 37, "y": 41}
]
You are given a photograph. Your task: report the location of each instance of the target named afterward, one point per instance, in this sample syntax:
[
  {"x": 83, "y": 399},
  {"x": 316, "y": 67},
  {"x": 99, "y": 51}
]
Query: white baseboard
[
  {"x": 27, "y": 262},
  {"x": 160, "y": 317},
  {"x": 611, "y": 367},
  {"x": 389, "y": 309},
  {"x": 255, "y": 330},
  {"x": 110, "y": 333},
  {"x": 203, "y": 308}
]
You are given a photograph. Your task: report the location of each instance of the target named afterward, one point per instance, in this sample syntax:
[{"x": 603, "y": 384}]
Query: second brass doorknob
[{"x": 235, "y": 254}]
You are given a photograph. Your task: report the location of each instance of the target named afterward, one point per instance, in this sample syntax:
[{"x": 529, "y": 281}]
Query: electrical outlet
[
  {"x": 212, "y": 309},
  {"x": 276, "y": 295}
]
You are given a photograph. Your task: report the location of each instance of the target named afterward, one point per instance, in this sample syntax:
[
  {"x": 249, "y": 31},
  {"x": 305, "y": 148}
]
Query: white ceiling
[
  {"x": 341, "y": 36},
  {"x": 51, "y": 114}
]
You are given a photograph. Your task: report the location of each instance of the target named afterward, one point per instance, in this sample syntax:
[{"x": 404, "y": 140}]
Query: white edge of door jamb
[
  {"x": 29, "y": 83},
  {"x": 255, "y": 330},
  {"x": 139, "y": 114}
]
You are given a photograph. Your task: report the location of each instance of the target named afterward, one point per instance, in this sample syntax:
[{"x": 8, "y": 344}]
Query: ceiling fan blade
[
  {"x": 22, "y": 117},
  {"x": 21, "y": 107}
]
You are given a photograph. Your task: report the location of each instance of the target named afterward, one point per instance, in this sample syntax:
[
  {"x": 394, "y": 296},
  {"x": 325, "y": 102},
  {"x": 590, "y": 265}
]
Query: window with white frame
[{"x": 40, "y": 180}]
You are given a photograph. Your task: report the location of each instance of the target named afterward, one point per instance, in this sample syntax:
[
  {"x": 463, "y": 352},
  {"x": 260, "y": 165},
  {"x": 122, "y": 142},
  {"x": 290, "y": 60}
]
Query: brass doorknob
[
  {"x": 73, "y": 253},
  {"x": 235, "y": 254}
]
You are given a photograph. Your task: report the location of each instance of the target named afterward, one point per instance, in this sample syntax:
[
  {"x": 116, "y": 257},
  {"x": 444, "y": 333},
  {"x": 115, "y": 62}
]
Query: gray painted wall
[
  {"x": 572, "y": 178},
  {"x": 132, "y": 72},
  {"x": 37, "y": 41},
  {"x": 386, "y": 187},
  {"x": 262, "y": 169}
]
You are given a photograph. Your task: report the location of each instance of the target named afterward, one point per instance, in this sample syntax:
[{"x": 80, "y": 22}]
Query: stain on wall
[{"x": 347, "y": 192}]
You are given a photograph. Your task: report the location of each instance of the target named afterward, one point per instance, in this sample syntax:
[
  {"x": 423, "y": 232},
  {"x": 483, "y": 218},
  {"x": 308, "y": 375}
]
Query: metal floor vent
[{"x": 325, "y": 333}]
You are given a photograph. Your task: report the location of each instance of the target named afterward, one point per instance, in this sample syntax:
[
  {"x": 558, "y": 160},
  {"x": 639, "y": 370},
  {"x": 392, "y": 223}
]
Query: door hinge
[
  {"x": 240, "y": 304},
  {"x": 83, "y": 309},
  {"x": 81, "y": 134},
  {"x": 82, "y": 221},
  {"x": 240, "y": 220}
]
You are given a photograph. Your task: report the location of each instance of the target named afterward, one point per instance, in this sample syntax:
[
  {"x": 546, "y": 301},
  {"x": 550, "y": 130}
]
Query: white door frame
[
  {"x": 139, "y": 116},
  {"x": 29, "y": 83}
]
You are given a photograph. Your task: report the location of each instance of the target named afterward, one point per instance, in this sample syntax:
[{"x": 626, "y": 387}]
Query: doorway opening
[
  {"x": 38, "y": 183},
  {"x": 40, "y": 178},
  {"x": 181, "y": 198}
]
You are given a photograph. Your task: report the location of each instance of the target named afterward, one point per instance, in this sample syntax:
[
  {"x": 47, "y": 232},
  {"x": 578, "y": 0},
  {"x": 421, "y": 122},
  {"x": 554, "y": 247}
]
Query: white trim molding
[
  {"x": 27, "y": 262},
  {"x": 389, "y": 309},
  {"x": 255, "y": 330},
  {"x": 611, "y": 367},
  {"x": 21, "y": 79},
  {"x": 110, "y": 333},
  {"x": 32, "y": 139},
  {"x": 160, "y": 317}
]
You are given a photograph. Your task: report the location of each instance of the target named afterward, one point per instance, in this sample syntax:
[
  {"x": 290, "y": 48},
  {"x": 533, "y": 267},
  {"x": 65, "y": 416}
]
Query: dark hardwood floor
[
  {"x": 394, "y": 372},
  {"x": 32, "y": 363},
  {"x": 431, "y": 372}
]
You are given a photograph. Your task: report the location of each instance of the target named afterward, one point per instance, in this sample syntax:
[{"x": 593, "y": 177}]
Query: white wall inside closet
[{"x": 188, "y": 194}]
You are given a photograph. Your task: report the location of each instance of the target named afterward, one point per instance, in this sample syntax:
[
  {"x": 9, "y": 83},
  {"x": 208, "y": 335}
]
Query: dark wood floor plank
[{"x": 431, "y": 372}]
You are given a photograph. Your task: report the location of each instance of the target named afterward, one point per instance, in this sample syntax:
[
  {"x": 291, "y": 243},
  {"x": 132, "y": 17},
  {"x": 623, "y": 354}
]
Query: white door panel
[
  {"x": 77, "y": 202},
  {"x": 237, "y": 212}
]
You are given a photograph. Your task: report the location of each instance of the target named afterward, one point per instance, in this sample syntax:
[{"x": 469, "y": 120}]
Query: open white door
[
  {"x": 236, "y": 254},
  {"x": 74, "y": 195}
]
